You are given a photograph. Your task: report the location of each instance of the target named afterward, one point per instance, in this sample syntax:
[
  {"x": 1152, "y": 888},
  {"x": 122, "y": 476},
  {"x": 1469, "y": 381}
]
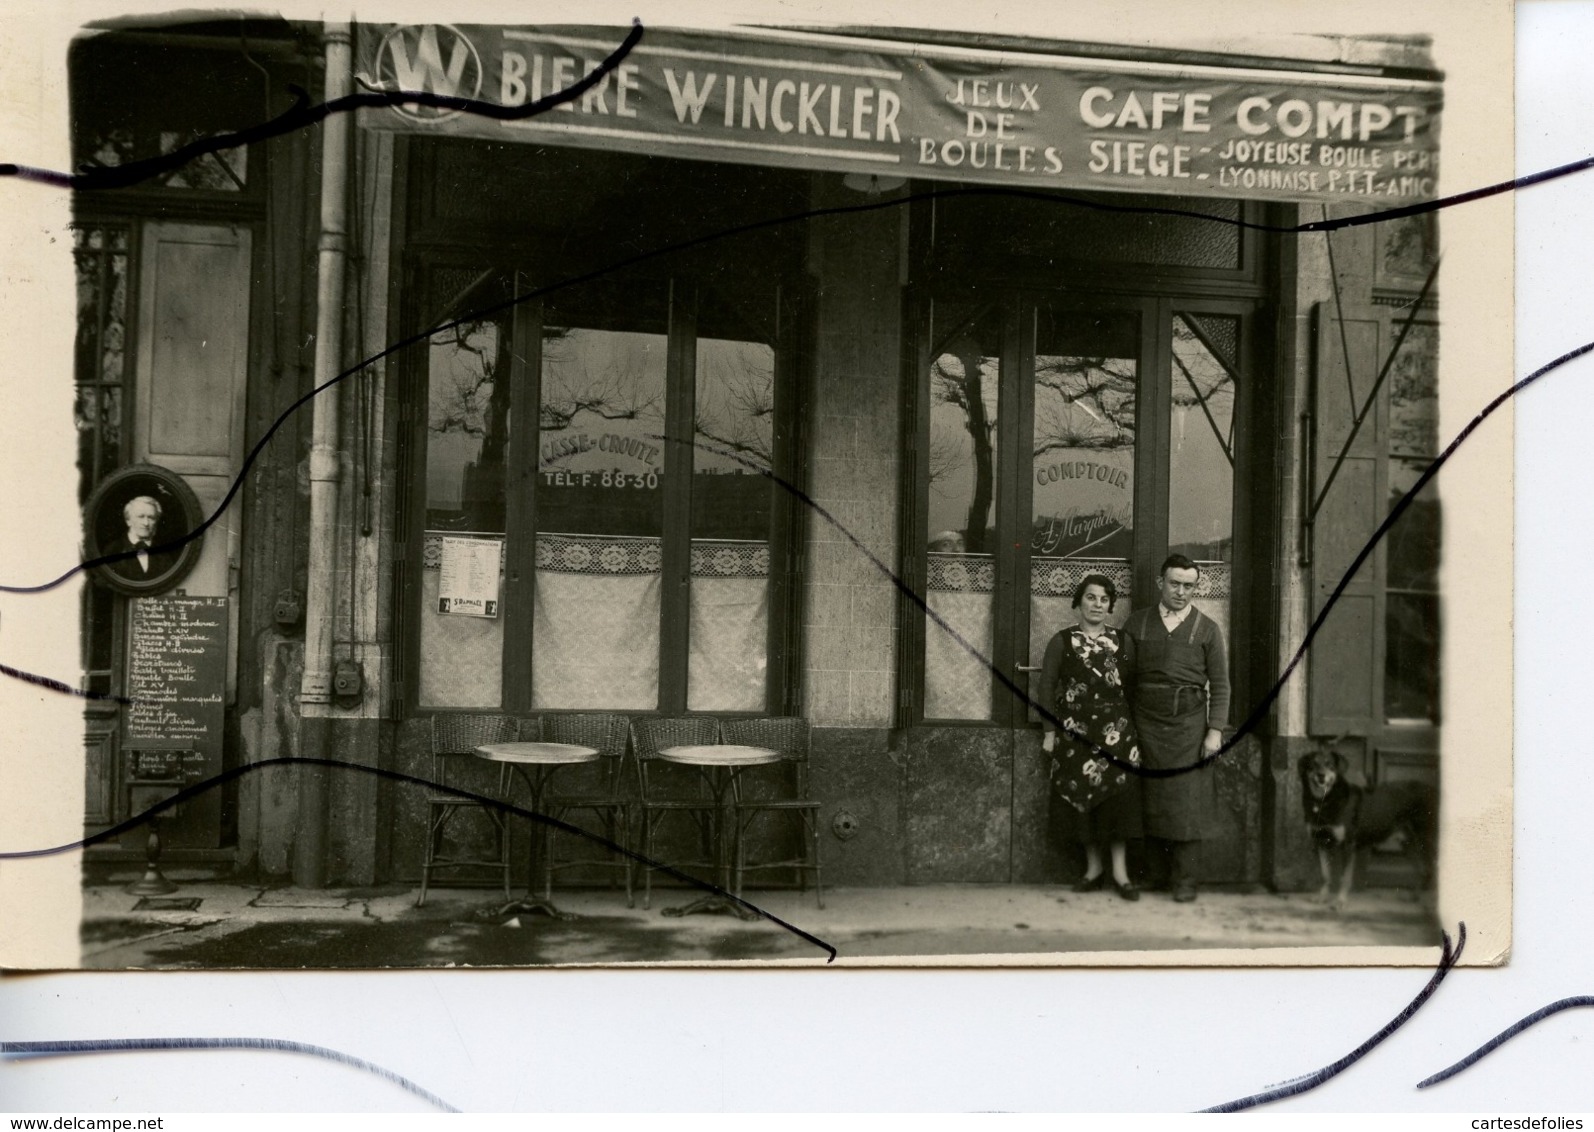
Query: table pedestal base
[
  {"x": 720, "y": 765},
  {"x": 709, "y": 905},
  {"x": 525, "y": 906}
]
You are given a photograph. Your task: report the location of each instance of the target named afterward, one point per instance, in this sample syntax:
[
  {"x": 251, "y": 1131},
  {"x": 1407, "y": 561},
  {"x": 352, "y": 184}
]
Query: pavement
[{"x": 229, "y": 925}]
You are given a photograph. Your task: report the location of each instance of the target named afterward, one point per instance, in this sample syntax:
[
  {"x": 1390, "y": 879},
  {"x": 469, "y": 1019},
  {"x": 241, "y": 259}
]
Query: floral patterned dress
[{"x": 1083, "y": 687}]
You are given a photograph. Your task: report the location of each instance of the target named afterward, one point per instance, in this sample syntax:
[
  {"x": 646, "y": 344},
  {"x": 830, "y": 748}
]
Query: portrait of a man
[
  {"x": 142, "y": 515},
  {"x": 137, "y": 523}
]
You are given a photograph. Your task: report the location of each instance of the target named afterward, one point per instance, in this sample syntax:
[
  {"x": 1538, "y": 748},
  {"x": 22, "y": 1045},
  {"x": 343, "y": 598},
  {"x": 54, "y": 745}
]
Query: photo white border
[{"x": 1017, "y": 1038}]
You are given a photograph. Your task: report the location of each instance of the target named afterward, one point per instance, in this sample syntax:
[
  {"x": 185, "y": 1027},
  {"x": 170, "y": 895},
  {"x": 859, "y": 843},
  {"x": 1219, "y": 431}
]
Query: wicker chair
[
  {"x": 456, "y": 735},
  {"x": 607, "y": 800},
  {"x": 656, "y": 798},
  {"x": 789, "y": 736}
]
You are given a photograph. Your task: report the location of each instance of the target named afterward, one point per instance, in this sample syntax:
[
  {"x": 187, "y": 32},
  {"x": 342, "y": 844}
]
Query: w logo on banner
[{"x": 434, "y": 58}]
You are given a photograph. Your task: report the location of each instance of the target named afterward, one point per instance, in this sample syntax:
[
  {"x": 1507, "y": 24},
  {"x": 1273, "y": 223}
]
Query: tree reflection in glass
[
  {"x": 467, "y": 427},
  {"x": 1086, "y": 381},
  {"x": 964, "y": 384},
  {"x": 732, "y": 515},
  {"x": 601, "y": 461},
  {"x": 1082, "y": 468}
]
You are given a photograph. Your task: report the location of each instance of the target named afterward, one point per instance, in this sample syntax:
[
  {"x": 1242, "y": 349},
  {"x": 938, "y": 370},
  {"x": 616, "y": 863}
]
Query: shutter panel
[
  {"x": 1345, "y": 663},
  {"x": 192, "y": 377}
]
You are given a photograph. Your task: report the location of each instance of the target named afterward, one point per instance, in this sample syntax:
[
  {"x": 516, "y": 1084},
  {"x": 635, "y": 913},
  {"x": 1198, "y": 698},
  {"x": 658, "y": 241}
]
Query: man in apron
[{"x": 1180, "y": 697}]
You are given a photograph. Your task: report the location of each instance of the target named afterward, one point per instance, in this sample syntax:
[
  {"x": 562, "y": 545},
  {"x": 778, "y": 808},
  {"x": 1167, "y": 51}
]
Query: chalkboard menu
[
  {"x": 177, "y": 682},
  {"x": 164, "y": 761}
]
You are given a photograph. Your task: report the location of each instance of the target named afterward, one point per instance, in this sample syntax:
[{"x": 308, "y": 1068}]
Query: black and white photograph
[
  {"x": 141, "y": 521},
  {"x": 753, "y": 494}
]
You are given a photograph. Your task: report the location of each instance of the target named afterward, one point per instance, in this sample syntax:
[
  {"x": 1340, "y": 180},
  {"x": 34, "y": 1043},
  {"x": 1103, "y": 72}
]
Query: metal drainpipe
[{"x": 310, "y": 851}]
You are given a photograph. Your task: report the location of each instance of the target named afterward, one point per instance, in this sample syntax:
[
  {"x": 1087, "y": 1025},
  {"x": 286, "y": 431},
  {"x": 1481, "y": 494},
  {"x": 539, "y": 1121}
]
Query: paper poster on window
[{"x": 468, "y": 576}]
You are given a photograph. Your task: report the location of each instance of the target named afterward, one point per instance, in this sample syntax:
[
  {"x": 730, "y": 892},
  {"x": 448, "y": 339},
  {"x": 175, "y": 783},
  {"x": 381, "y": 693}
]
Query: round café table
[
  {"x": 534, "y": 764},
  {"x": 720, "y": 764}
]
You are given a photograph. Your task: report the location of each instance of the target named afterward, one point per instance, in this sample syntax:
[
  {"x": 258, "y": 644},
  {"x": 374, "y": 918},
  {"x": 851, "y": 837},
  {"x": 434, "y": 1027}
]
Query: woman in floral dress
[{"x": 1082, "y": 688}]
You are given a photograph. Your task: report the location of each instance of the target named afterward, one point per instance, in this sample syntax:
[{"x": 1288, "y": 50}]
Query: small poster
[{"x": 468, "y": 576}]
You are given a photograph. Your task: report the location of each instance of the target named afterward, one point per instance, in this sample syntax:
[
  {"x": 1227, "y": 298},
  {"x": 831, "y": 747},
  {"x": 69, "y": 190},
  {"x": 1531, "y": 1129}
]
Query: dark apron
[{"x": 1172, "y": 721}]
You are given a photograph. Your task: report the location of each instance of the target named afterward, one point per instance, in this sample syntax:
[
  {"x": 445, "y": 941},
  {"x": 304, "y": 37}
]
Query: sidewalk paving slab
[{"x": 253, "y": 926}]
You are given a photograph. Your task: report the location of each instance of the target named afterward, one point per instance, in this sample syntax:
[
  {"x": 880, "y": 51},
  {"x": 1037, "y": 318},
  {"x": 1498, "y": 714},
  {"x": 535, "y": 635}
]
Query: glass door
[
  {"x": 1030, "y": 464},
  {"x": 1064, "y": 436},
  {"x": 1084, "y": 387}
]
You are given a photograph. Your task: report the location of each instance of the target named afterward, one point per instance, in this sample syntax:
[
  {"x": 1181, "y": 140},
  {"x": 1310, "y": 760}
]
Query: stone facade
[{"x": 854, "y": 427}]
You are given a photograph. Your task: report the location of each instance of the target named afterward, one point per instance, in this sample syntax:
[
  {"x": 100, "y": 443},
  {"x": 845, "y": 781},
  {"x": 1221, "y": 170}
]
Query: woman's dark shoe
[
  {"x": 1126, "y": 891},
  {"x": 1092, "y": 884}
]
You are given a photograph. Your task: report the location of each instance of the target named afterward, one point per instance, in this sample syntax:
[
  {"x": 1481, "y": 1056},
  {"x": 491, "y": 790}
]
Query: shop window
[{"x": 634, "y": 500}]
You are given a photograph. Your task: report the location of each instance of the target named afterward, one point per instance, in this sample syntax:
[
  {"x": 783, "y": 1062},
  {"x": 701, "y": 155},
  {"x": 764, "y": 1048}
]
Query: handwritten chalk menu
[
  {"x": 177, "y": 681},
  {"x": 177, "y": 669},
  {"x": 468, "y": 576},
  {"x": 169, "y": 760}
]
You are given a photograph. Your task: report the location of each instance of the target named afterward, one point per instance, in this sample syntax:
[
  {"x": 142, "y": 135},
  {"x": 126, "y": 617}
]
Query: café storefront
[{"x": 775, "y": 373}]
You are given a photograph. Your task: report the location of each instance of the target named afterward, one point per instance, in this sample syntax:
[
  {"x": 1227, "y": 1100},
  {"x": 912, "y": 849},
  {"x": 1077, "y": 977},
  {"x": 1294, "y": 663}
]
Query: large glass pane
[
  {"x": 732, "y": 507},
  {"x": 600, "y": 499},
  {"x": 1411, "y": 612},
  {"x": 1201, "y": 454},
  {"x": 467, "y": 440},
  {"x": 964, "y": 379},
  {"x": 1411, "y": 615},
  {"x": 1087, "y": 372}
]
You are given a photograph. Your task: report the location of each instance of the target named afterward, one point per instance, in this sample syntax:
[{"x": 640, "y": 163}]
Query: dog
[{"x": 1344, "y": 815}]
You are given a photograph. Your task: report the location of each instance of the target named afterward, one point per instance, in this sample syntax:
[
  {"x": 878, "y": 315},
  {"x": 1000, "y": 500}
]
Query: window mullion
[
  {"x": 679, "y": 416},
  {"x": 1012, "y": 541},
  {"x": 782, "y": 632},
  {"x": 520, "y": 503},
  {"x": 1153, "y": 432}
]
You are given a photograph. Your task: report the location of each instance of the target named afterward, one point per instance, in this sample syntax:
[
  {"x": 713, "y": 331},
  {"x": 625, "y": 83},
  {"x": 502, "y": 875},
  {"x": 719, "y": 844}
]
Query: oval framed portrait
[{"x": 138, "y": 517}]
